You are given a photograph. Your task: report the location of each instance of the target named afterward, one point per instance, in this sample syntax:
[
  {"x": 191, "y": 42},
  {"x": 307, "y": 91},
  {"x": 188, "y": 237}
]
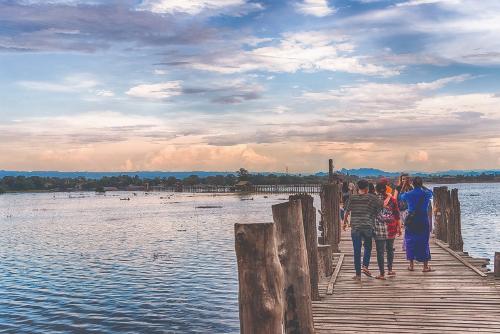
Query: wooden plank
[
  {"x": 459, "y": 258},
  {"x": 451, "y": 299},
  {"x": 333, "y": 279}
]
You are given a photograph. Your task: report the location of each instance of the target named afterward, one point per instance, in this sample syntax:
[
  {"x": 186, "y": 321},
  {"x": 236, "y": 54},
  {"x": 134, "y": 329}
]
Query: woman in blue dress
[{"x": 417, "y": 233}]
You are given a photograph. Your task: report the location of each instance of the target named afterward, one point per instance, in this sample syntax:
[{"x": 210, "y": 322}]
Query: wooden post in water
[
  {"x": 439, "y": 203},
  {"x": 325, "y": 260},
  {"x": 260, "y": 277},
  {"x": 330, "y": 209},
  {"x": 293, "y": 257},
  {"x": 455, "y": 240},
  {"x": 330, "y": 170},
  {"x": 497, "y": 264},
  {"x": 311, "y": 237}
]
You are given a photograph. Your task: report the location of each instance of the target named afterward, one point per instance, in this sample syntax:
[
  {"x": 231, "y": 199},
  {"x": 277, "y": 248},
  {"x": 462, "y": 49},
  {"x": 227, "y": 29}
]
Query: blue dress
[{"x": 417, "y": 243}]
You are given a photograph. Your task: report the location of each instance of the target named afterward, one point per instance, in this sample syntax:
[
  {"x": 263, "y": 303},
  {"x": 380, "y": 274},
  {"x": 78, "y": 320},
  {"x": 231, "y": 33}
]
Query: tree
[{"x": 243, "y": 174}]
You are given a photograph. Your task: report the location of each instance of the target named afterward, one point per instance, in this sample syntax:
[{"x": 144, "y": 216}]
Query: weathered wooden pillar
[
  {"x": 330, "y": 215},
  {"x": 330, "y": 170},
  {"x": 311, "y": 237},
  {"x": 440, "y": 222},
  {"x": 497, "y": 265},
  {"x": 325, "y": 260},
  {"x": 450, "y": 219},
  {"x": 260, "y": 277},
  {"x": 293, "y": 257},
  {"x": 455, "y": 242}
]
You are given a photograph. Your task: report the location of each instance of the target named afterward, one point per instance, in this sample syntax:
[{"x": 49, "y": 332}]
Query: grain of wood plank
[
  {"x": 452, "y": 299},
  {"x": 333, "y": 279}
]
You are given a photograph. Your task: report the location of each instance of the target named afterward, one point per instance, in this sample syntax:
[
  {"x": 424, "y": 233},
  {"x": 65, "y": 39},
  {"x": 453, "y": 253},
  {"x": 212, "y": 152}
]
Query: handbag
[{"x": 411, "y": 223}]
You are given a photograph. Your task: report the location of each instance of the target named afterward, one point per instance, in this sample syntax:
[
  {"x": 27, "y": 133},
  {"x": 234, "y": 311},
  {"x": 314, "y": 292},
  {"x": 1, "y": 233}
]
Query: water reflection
[{"x": 94, "y": 263}]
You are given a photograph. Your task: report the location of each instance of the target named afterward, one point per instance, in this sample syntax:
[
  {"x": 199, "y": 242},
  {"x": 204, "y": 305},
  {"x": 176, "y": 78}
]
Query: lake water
[{"x": 97, "y": 264}]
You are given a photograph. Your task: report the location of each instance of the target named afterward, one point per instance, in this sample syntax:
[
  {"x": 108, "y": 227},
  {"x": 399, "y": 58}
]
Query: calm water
[{"x": 148, "y": 265}]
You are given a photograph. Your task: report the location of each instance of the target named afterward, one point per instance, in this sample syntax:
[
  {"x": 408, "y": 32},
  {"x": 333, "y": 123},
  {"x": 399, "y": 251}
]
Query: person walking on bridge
[
  {"x": 417, "y": 225},
  {"x": 363, "y": 208},
  {"x": 387, "y": 226}
]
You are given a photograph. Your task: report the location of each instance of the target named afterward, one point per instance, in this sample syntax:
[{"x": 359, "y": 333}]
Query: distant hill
[{"x": 359, "y": 172}]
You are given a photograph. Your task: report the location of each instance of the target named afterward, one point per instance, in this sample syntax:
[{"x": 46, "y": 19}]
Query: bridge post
[
  {"x": 497, "y": 264},
  {"x": 311, "y": 237},
  {"x": 330, "y": 209},
  {"x": 439, "y": 203},
  {"x": 325, "y": 260},
  {"x": 455, "y": 240},
  {"x": 260, "y": 278},
  {"x": 293, "y": 257}
]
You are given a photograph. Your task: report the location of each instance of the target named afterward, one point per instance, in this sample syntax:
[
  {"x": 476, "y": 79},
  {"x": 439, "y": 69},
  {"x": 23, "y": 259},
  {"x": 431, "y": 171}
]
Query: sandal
[
  {"x": 391, "y": 273},
  {"x": 427, "y": 270},
  {"x": 410, "y": 268},
  {"x": 366, "y": 272},
  {"x": 380, "y": 277},
  {"x": 356, "y": 278}
]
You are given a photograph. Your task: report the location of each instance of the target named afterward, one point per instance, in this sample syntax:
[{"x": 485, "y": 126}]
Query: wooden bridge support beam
[
  {"x": 497, "y": 264},
  {"x": 311, "y": 237},
  {"x": 293, "y": 257},
  {"x": 440, "y": 221},
  {"x": 330, "y": 215},
  {"x": 325, "y": 260},
  {"x": 260, "y": 277}
]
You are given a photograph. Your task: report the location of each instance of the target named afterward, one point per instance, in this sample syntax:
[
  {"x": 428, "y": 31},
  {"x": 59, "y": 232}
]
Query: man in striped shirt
[{"x": 363, "y": 208}]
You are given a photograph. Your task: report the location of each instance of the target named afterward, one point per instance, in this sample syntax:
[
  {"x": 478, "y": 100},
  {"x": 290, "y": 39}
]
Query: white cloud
[
  {"x": 194, "y": 7},
  {"x": 426, "y": 2},
  {"x": 318, "y": 8},
  {"x": 382, "y": 96},
  {"x": 70, "y": 84},
  {"x": 159, "y": 91},
  {"x": 417, "y": 156},
  {"x": 104, "y": 93},
  {"x": 453, "y": 24},
  {"x": 159, "y": 72},
  {"x": 308, "y": 51}
]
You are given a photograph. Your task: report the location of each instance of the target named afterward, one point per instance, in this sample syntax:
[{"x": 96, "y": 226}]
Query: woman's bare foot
[
  {"x": 366, "y": 271},
  {"x": 381, "y": 277},
  {"x": 356, "y": 277},
  {"x": 427, "y": 269},
  {"x": 391, "y": 273},
  {"x": 410, "y": 268}
]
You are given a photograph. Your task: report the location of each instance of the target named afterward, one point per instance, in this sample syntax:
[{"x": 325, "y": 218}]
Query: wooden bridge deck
[{"x": 452, "y": 299}]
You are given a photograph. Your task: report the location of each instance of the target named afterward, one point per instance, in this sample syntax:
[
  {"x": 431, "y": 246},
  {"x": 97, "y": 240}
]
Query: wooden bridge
[
  {"x": 294, "y": 281},
  {"x": 452, "y": 299}
]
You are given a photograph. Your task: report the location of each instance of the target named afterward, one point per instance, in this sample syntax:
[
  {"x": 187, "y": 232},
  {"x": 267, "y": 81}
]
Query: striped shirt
[{"x": 364, "y": 209}]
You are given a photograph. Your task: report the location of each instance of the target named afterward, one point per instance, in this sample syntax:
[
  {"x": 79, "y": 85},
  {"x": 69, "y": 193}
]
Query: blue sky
[{"x": 220, "y": 84}]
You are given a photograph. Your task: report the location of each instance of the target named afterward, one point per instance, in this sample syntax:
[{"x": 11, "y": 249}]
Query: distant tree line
[{"x": 37, "y": 183}]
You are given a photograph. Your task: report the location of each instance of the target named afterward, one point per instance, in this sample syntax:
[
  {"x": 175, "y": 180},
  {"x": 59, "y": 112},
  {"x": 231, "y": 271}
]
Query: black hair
[
  {"x": 381, "y": 187},
  {"x": 371, "y": 188},
  {"x": 363, "y": 184},
  {"x": 418, "y": 182},
  {"x": 345, "y": 187}
]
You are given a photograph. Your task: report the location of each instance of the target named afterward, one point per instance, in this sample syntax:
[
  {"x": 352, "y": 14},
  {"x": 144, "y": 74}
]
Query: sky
[{"x": 182, "y": 85}]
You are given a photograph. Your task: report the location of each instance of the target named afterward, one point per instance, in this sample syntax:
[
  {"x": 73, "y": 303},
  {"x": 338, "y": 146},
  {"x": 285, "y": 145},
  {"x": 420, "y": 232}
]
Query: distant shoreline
[{"x": 164, "y": 191}]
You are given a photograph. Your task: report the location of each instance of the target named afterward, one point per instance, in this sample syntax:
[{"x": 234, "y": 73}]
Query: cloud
[
  {"x": 318, "y": 8},
  {"x": 417, "y": 156},
  {"x": 383, "y": 96},
  {"x": 195, "y": 7},
  {"x": 439, "y": 37},
  {"x": 208, "y": 157},
  {"x": 105, "y": 93},
  {"x": 159, "y": 91},
  {"x": 80, "y": 83},
  {"x": 426, "y": 2},
  {"x": 85, "y": 27},
  {"x": 307, "y": 51}
]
